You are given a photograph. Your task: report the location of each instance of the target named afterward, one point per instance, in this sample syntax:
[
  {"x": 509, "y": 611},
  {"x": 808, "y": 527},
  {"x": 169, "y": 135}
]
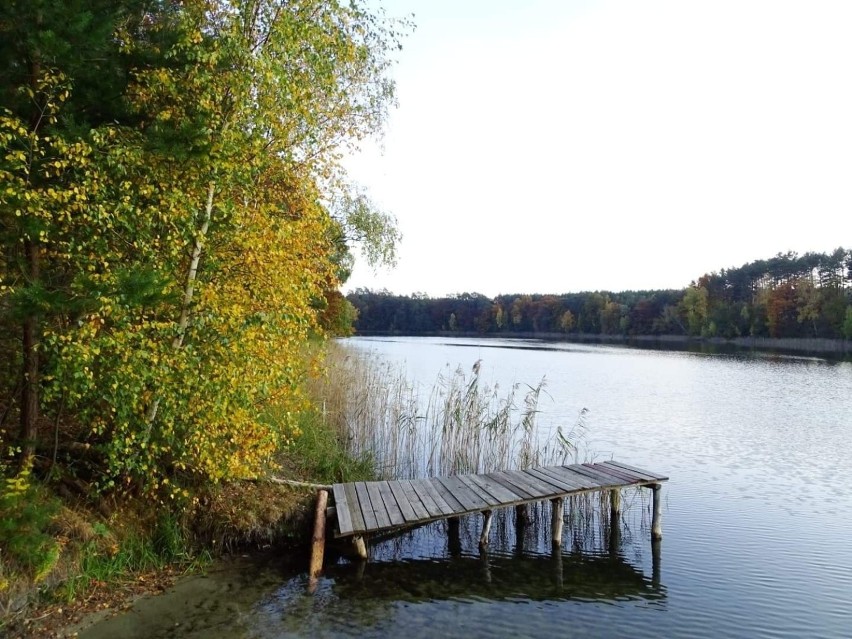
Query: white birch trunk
[{"x": 189, "y": 290}]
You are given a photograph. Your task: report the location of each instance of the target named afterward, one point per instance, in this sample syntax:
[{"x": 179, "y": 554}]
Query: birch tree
[{"x": 195, "y": 232}]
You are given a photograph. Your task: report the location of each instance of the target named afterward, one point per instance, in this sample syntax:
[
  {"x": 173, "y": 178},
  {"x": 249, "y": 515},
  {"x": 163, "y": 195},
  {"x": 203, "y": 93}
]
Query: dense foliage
[
  {"x": 174, "y": 224},
  {"x": 785, "y": 296}
]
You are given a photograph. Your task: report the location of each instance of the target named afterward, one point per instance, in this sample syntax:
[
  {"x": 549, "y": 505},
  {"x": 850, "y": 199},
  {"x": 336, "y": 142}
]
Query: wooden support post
[
  {"x": 318, "y": 542},
  {"x": 556, "y": 520},
  {"x": 556, "y": 556},
  {"x": 656, "y": 545},
  {"x": 486, "y": 527},
  {"x": 485, "y": 562},
  {"x": 521, "y": 521},
  {"x": 614, "y": 521},
  {"x": 453, "y": 536},
  {"x": 656, "y": 524},
  {"x": 360, "y": 547},
  {"x": 614, "y": 505},
  {"x": 360, "y": 568}
]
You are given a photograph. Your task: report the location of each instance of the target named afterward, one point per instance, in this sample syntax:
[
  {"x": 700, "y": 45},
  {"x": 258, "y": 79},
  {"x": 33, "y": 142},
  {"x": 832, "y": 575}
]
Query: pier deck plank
[
  {"x": 368, "y": 507},
  {"x": 406, "y": 507}
]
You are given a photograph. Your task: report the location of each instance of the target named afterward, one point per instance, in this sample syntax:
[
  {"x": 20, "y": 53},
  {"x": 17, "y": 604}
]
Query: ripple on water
[{"x": 757, "y": 517}]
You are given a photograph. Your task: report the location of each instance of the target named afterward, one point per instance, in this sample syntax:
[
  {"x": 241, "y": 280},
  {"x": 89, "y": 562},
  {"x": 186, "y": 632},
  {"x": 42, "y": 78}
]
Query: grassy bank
[
  {"x": 66, "y": 550},
  {"x": 64, "y": 555}
]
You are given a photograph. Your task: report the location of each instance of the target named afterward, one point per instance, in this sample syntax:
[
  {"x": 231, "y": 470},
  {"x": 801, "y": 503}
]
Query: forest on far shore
[{"x": 788, "y": 295}]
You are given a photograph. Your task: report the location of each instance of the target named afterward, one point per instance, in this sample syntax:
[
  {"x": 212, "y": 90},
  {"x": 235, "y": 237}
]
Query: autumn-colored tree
[
  {"x": 499, "y": 316},
  {"x": 183, "y": 247},
  {"x": 847, "y": 323},
  {"x": 781, "y": 309},
  {"x": 566, "y": 322},
  {"x": 694, "y": 305},
  {"x": 808, "y": 303}
]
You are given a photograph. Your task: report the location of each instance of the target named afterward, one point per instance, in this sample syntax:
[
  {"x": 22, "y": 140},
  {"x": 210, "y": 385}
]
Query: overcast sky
[{"x": 550, "y": 146}]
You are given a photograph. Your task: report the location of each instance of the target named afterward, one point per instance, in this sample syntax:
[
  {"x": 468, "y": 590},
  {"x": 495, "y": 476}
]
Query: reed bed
[{"x": 458, "y": 424}]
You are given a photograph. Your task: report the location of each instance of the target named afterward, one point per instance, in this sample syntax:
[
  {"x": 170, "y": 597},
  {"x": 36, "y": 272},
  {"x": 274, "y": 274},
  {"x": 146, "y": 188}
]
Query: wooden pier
[{"x": 364, "y": 508}]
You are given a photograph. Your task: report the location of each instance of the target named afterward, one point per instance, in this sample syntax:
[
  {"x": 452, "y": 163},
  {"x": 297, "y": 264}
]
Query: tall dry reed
[{"x": 460, "y": 424}]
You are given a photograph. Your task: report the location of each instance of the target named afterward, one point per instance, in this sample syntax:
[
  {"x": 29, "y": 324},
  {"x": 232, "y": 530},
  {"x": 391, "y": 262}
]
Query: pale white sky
[{"x": 550, "y": 146}]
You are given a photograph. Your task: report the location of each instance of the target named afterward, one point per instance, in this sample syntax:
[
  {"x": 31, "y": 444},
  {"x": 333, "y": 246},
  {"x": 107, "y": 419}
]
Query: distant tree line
[{"x": 785, "y": 296}]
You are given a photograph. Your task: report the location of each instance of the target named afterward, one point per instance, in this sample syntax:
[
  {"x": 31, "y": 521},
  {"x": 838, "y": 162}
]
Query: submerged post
[
  {"x": 360, "y": 546},
  {"x": 556, "y": 520},
  {"x": 556, "y": 558},
  {"x": 521, "y": 520},
  {"x": 486, "y": 527},
  {"x": 453, "y": 536},
  {"x": 318, "y": 542},
  {"x": 656, "y": 545},
  {"x": 614, "y": 505},
  {"x": 656, "y": 523}
]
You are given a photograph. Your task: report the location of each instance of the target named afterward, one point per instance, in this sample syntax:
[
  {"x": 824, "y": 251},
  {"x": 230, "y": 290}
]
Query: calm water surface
[{"x": 757, "y": 518}]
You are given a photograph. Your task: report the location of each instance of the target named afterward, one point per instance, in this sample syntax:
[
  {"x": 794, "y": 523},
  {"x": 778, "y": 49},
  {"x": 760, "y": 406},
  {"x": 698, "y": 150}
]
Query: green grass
[
  {"x": 26, "y": 512},
  {"x": 322, "y": 454},
  {"x": 104, "y": 560}
]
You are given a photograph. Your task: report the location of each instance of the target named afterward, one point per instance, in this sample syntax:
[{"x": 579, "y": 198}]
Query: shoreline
[{"x": 811, "y": 345}]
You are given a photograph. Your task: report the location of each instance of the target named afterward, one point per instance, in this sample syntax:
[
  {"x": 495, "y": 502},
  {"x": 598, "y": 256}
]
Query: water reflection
[
  {"x": 758, "y": 518},
  {"x": 416, "y": 582},
  {"x": 495, "y": 576},
  {"x": 617, "y": 347},
  {"x": 519, "y": 565}
]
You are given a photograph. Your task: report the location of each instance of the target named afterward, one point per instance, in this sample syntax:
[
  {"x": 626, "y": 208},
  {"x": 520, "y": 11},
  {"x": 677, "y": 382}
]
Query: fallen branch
[{"x": 301, "y": 484}]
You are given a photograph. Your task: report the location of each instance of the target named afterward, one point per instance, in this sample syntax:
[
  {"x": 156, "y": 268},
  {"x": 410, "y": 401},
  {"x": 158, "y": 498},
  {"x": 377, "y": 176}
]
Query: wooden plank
[
  {"x": 573, "y": 471},
  {"x": 560, "y": 487},
  {"x": 464, "y": 495},
  {"x": 419, "y": 488},
  {"x": 420, "y": 510},
  {"x": 344, "y": 518},
  {"x": 358, "y": 524},
  {"x": 504, "y": 495},
  {"x": 483, "y": 494},
  {"x": 606, "y": 481},
  {"x": 514, "y": 486},
  {"x": 581, "y": 480},
  {"x": 637, "y": 471},
  {"x": 432, "y": 499},
  {"x": 501, "y": 479},
  {"x": 369, "y": 515},
  {"x": 624, "y": 477},
  {"x": 390, "y": 504},
  {"x": 382, "y": 516},
  {"x": 538, "y": 488},
  {"x": 575, "y": 482},
  {"x": 441, "y": 493},
  {"x": 404, "y": 503}
]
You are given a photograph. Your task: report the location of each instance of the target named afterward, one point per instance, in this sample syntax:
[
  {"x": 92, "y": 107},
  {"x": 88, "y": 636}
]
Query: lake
[{"x": 757, "y": 515}]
